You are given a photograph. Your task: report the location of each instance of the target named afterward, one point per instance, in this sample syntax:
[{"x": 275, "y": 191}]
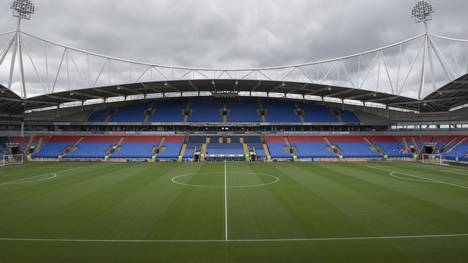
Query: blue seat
[
  {"x": 393, "y": 149},
  {"x": 225, "y": 149},
  {"x": 357, "y": 150},
  {"x": 280, "y": 111},
  {"x": 277, "y": 150},
  {"x": 349, "y": 117},
  {"x": 315, "y": 113},
  {"x": 90, "y": 150},
  {"x": 313, "y": 150},
  {"x": 171, "y": 152},
  {"x": 135, "y": 150},
  {"x": 168, "y": 111},
  {"x": 244, "y": 112},
  {"x": 51, "y": 150},
  {"x": 209, "y": 112}
]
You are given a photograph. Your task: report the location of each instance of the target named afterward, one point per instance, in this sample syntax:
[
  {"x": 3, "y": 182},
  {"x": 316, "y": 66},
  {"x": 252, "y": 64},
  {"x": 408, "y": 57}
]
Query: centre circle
[{"x": 272, "y": 180}]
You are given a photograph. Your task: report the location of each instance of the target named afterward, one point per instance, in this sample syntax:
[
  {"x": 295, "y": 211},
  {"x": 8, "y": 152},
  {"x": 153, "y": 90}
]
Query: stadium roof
[
  {"x": 452, "y": 95},
  {"x": 9, "y": 101}
]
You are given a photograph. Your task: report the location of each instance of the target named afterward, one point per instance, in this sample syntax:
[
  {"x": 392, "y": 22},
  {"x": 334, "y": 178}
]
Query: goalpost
[
  {"x": 432, "y": 159},
  {"x": 12, "y": 159}
]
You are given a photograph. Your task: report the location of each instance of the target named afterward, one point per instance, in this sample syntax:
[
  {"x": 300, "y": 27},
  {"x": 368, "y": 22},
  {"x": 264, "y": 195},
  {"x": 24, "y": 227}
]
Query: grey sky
[{"x": 241, "y": 33}]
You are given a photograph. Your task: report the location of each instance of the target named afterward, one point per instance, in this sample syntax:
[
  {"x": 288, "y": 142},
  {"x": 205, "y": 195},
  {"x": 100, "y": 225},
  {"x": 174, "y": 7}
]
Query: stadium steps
[
  {"x": 71, "y": 148},
  {"x": 267, "y": 152},
  {"x": 158, "y": 149},
  {"x": 456, "y": 145},
  {"x": 261, "y": 108},
  {"x": 446, "y": 147},
  {"x": 405, "y": 144},
  {"x": 374, "y": 147},
  {"x": 182, "y": 153},
  {"x": 416, "y": 145},
  {"x": 114, "y": 149},
  {"x": 203, "y": 152},
  {"x": 300, "y": 113},
  {"x": 187, "y": 112},
  {"x": 39, "y": 145},
  {"x": 246, "y": 151},
  {"x": 110, "y": 113},
  {"x": 224, "y": 110},
  {"x": 28, "y": 147},
  {"x": 148, "y": 113},
  {"x": 337, "y": 114},
  {"x": 290, "y": 149},
  {"x": 333, "y": 148}
]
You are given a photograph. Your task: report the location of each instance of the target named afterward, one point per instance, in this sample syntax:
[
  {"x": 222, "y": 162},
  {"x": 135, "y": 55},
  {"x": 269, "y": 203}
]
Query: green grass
[{"x": 295, "y": 212}]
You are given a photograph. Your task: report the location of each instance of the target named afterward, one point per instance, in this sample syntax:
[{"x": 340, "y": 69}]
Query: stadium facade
[{"x": 407, "y": 100}]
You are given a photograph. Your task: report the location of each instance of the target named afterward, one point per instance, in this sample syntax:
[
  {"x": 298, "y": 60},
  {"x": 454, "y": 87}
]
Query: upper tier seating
[
  {"x": 280, "y": 111},
  {"x": 131, "y": 113},
  {"x": 98, "y": 116},
  {"x": 314, "y": 113},
  {"x": 210, "y": 110},
  {"x": 349, "y": 117},
  {"x": 244, "y": 112},
  {"x": 205, "y": 112},
  {"x": 168, "y": 111}
]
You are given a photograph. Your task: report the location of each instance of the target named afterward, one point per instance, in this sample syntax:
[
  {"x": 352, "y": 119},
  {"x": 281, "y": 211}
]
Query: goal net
[
  {"x": 432, "y": 159},
  {"x": 12, "y": 159}
]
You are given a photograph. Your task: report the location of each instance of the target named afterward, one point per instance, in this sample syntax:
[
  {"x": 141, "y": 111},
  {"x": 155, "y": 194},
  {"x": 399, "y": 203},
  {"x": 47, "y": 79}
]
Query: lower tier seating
[
  {"x": 225, "y": 149},
  {"x": 135, "y": 150},
  {"x": 314, "y": 150}
]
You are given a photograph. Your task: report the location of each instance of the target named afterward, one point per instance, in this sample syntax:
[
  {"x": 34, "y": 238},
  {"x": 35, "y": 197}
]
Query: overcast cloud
[{"x": 241, "y": 33}]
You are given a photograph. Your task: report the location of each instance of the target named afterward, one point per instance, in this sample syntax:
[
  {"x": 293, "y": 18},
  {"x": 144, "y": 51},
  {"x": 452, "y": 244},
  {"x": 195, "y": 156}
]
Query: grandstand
[{"x": 324, "y": 161}]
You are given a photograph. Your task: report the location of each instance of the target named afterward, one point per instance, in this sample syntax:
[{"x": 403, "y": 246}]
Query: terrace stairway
[
  {"x": 333, "y": 148},
  {"x": 374, "y": 147}
]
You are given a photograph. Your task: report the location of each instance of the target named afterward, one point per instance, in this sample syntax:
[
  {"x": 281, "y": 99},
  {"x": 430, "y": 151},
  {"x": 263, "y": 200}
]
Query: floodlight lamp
[
  {"x": 23, "y": 9},
  {"x": 422, "y": 11}
]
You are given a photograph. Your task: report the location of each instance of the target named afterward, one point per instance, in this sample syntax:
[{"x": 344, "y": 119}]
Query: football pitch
[{"x": 233, "y": 212}]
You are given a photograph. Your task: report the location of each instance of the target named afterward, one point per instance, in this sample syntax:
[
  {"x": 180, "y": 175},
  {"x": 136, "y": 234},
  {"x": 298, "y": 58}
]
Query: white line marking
[
  {"x": 421, "y": 177},
  {"x": 226, "y": 234},
  {"x": 455, "y": 172},
  {"x": 275, "y": 180},
  {"x": 393, "y": 174},
  {"x": 31, "y": 180},
  {"x": 318, "y": 239}
]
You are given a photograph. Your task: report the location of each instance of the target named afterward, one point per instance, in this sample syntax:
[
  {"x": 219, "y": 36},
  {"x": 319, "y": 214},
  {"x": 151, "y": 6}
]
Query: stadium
[{"x": 361, "y": 158}]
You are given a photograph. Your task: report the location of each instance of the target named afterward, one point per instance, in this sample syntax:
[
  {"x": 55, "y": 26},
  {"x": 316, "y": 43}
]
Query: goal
[
  {"x": 12, "y": 159},
  {"x": 432, "y": 159}
]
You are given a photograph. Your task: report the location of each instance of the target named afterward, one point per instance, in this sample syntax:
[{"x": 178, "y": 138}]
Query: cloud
[{"x": 231, "y": 34}]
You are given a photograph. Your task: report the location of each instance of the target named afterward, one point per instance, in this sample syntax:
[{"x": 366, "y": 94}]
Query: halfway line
[{"x": 324, "y": 239}]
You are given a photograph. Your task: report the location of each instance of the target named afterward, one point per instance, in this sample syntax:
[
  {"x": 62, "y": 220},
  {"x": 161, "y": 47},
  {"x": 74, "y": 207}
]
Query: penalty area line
[{"x": 324, "y": 239}]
